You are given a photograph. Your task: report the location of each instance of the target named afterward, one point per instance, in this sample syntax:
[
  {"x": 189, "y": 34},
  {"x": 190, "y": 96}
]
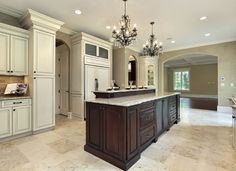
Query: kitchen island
[{"x": 119, "y": 129}]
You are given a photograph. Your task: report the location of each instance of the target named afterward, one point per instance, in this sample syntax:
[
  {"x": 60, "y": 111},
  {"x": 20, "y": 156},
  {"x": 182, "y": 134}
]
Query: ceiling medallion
[
  {"x": 152, "y": 47},
  {"x": 125, "y": 36}
]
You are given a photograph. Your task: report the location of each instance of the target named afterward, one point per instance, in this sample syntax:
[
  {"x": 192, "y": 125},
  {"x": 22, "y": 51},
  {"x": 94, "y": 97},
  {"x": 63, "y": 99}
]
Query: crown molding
[
  {"x": 87, "y": 37},
  {"x": 201, "y": 44},
  {"x": 36, "y": 19},
  {"x": 11, "y": 12},
  {"x": 67, "y": 31}
]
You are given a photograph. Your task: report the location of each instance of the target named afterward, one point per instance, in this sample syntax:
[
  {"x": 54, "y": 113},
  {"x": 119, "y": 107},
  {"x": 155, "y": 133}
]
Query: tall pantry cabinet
[
  {"x": 42, "y": 67},
  {"x": 91, "y": 61}
]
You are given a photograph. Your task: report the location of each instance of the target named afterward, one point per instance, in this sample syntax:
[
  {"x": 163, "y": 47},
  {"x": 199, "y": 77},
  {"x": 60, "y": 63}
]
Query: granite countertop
[
  {"x": 131, "y": 100},
  {"x": 13, "y": 97},
  {"x": 124, "y": 90}
]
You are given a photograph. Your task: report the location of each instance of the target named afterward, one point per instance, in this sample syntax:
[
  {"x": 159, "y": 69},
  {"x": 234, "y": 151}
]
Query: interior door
[
  {"x": 92, "y": 73},
  {"x": 64, "y": 84}
]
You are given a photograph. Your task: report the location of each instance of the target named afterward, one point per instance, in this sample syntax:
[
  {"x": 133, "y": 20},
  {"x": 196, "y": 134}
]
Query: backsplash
[{"x": 4, "y": 80}]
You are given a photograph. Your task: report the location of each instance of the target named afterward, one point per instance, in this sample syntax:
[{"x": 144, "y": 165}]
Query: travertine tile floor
[{"x": 200, "y": 142}]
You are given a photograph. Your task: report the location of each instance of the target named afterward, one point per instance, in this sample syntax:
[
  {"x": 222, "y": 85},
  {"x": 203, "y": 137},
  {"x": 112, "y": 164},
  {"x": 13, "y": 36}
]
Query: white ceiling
[
  {"x": 194, "y": 59},
  {"x": 178, "y": 19}
]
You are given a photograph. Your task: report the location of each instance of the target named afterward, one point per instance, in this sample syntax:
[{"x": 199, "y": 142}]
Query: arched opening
[
  {"x": 132, "y": 70},
  {"x": 62, "y": 82},
  {"x": 195, "y": 76}
]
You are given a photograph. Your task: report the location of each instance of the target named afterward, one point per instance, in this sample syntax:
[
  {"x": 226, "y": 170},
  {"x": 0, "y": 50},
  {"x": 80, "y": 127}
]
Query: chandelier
[
  {"x": 125, "y": 36},
  {"x": 152, "y": 48}
]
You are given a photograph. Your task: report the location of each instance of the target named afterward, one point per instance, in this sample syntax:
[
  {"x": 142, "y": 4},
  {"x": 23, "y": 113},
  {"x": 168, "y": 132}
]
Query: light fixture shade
[
  {"x": 125, "y": 36},
  {"x": 152, "y": 46}
]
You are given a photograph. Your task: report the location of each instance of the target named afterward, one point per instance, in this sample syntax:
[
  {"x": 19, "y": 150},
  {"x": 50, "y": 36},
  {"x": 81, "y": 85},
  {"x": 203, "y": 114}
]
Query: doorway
[
  {"x": 132, "y": 70},
  {"x": 196, "y": 77},
  {"x": 62, "y": 78}
]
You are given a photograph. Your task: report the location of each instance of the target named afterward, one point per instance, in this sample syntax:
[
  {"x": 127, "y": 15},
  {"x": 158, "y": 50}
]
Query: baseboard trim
[{"x": 224, "y": 109}]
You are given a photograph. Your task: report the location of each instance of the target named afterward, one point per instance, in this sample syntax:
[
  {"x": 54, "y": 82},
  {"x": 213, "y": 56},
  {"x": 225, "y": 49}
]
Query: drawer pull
[
  {"x": 14, "y": 110},
  {"x": 17, "y": 102}
]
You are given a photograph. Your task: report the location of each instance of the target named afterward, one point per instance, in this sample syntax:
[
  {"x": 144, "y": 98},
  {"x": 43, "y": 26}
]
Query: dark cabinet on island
[{"x": 119, "y": 129}]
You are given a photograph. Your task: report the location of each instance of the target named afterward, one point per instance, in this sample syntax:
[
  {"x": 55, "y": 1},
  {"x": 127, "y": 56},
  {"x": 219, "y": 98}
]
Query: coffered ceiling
[
  {"x": 194, "y": 59},
  {"x": 177, "y": 20}
]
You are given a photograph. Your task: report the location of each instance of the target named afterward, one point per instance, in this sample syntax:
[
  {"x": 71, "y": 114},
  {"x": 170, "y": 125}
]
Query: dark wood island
[{"x": 119, "y": 129}]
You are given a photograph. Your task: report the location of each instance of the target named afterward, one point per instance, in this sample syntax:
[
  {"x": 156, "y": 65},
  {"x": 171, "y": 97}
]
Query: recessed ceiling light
[
  {"x": 207, "y": 34},
  {"x": 203, "y": 18},
  {"x": 78, "y": 12},
  {"x": 108, "y": 27},
  {"x": 172, "y": 41}
]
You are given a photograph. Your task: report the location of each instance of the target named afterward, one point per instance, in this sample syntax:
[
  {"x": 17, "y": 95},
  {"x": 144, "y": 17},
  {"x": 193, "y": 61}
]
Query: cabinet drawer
[
  {"x": 20, "y": 102},
  {"x": 147, "y": 135},
  {"x": 146, "y": 118},
  {"x": 147, "y": 105},
  {"x": 173, "y": 118}
]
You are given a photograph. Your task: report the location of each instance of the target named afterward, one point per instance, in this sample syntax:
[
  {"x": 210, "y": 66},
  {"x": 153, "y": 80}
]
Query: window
[
  {"x": 90, "y": 49},
  {"x": 181, "y": 80}
]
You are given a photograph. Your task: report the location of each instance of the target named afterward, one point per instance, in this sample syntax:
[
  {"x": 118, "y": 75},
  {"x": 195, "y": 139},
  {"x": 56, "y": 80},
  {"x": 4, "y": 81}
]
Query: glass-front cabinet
[
  {"x": 150, "y": 75},
  {"x": 96, "y": 51}
]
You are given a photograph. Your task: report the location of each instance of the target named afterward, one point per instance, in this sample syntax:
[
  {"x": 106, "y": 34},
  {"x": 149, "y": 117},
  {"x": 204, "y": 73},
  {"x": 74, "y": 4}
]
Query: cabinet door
[
  {"x": 132, "y": 132},
  {"x": 94, "y": 125},
  {"x": 44, "y": 102},
  {"x": 165, "y": 113},
  {"x": 92, "y": 73},
  {"x": 115, "y": 131},
  {"x": 4, "y": 53},
  {"x": 159, "y": 118},
  {"x": 19, "y": 55},
  {"x": 21, "y": 119},
  {"x": 44, "y": 54},
  {"x": 5, "y": 122}
]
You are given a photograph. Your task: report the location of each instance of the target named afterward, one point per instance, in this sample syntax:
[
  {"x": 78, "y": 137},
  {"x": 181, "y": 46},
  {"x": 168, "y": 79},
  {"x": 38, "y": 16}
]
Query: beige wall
[
  {"x": 203, "y": 79},
  {"x": 7, "y": 19},
  {"x": 226, "y": 53},
  {"x": 120, "y": 65}
]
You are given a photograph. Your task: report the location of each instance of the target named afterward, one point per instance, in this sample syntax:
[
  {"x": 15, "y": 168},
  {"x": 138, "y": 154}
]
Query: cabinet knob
[
  {"x": 8, "y": 71},
  {"x": 34, "y": 78},
  {"x": 14, "y": 110},
  {"x": 34, "y": 71},
  {"x": 11, "y": 71}
]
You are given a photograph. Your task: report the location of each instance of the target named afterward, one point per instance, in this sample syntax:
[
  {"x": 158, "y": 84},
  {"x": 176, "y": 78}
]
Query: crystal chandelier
[
  {"x": 125, "y": 36},
  {"x": 152, "y": 48}
]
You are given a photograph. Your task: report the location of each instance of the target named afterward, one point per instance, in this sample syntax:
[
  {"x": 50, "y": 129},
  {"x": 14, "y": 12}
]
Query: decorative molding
[
  {"x": 86, "y": 37},
  {"x": 13, "y": 30},
  {"x": 224, "y": 109},
  {"x": 201, "y": 44},
  {"x": 67, "y": 31},
  {"x": 11, "y": 12},
  {"x": 36, "y": 19}
]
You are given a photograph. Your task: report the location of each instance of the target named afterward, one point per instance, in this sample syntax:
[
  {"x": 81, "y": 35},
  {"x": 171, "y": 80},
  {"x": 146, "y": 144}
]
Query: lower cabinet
[
  {"x": 21, "y": 119},
  {"x": 15, "y": 117},
  {"x": 43, "y": 102},
  {"x": 5, "y": 122}
]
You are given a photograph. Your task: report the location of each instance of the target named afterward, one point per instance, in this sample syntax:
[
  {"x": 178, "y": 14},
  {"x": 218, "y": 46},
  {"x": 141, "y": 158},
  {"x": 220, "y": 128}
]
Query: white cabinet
[
  {"x": 4, "y": 53},
  {"x": 19, "y": 55},
  {"x": 21, "y": 119},
  {"x": 44, "y": 102},
  {"x": 44, "y": 53},
  {"x": 92, "y": 73},
  {"x": 15, "y": 117},
  {"x": 5, "y": 122},
  {"x": 13, "y": 50}
]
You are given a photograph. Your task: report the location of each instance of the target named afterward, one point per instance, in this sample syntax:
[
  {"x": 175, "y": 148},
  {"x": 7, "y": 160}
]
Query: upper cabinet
[
  {"x": 45, "y": 57},
  {"x": 19, "y": 55},
  {"x": 4, "y": 53},
  {"x": 13, "y": 50}
]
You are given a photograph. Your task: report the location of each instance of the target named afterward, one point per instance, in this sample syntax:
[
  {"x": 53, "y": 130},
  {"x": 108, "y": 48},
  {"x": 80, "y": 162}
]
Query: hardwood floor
[{"x": 199, "y": 103}]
